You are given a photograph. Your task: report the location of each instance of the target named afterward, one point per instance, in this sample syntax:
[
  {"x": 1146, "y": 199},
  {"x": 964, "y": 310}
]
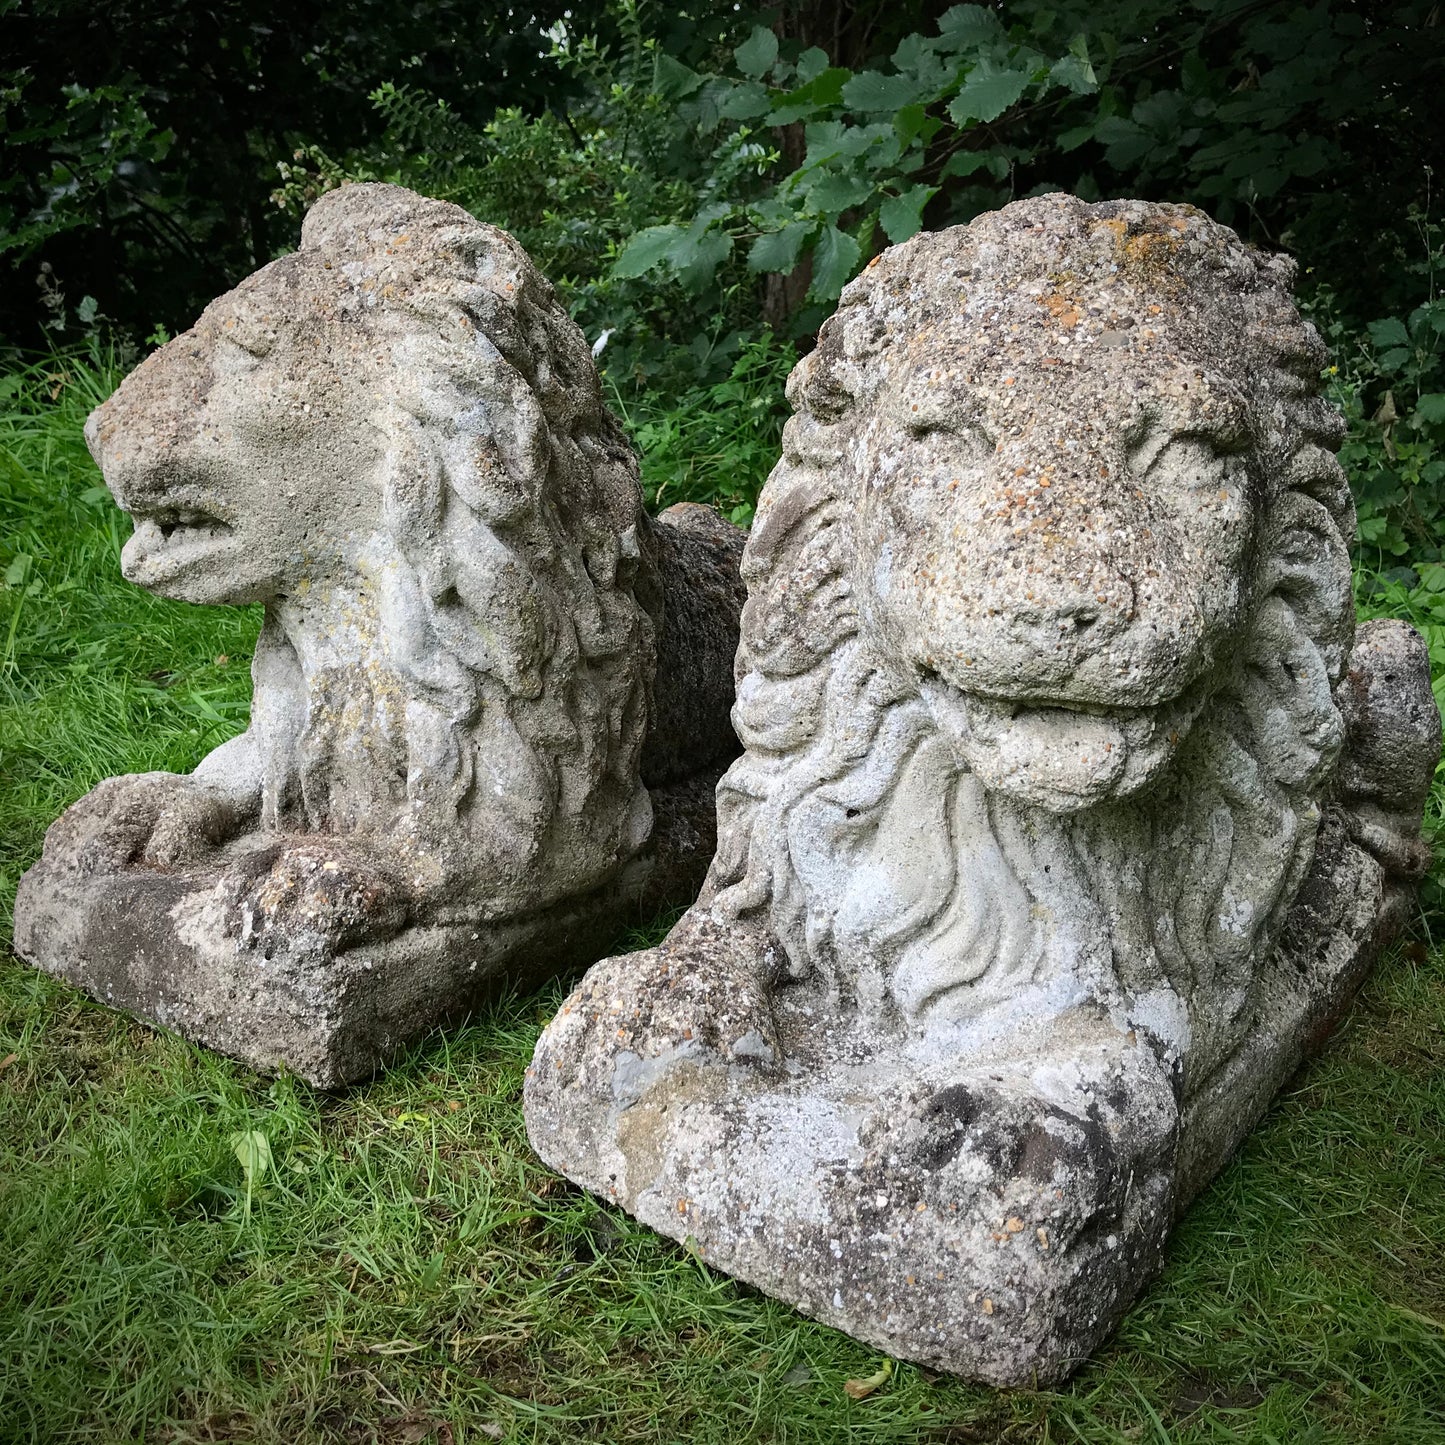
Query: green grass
[{"x": 406, "y": 1270}]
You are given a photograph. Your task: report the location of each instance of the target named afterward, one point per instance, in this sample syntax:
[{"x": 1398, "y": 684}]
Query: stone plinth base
[{"x": 987, "y": 1200}]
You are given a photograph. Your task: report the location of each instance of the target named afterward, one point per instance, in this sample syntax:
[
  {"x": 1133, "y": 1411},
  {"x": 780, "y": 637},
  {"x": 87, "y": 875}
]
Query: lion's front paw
[
  {"x": 636, "y": 1016},
  {"x": 319, "y": 895},
  {"x": 156, "y": 819}
]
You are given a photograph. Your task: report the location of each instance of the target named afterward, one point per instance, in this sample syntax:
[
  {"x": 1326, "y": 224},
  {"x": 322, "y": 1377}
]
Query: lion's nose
[
  {"x": 140, "y": 435},
  {"x": 1075, "y": 614},
  {"x": 1079, "y": 610}
]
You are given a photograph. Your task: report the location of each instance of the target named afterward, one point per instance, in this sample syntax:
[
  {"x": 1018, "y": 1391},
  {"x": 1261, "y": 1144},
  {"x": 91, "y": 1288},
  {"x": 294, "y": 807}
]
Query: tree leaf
[
  {"x": 822, "y": 91},
  {"x": 834, "y": 259},
  {"x": 1127, "y": 142},
  {"x": 758, "y": 53},
  {"x": 645, "y": 250},
  {"x": 987, "y": 93},
  {"x": 746, "y": 101},
  {"x": 1075, "y": 71},
  {"x": 830, "y": 193},
  {"x": 860, "y": 138},
  {"x": 825, "y": 140},
  {"x": 902, "y": 216},
  {"x": 913, "y": 121},
  {"x": 811, "y": 64},
  {"x": 253, "y": 1149},
  {"x": 1389, "y": 332},
  {"x": 671, "y": 79},
  {"x": 698, "y": 256},
  {"x": 965, "y": 163},
  {"x": 779, "y": 250},
  {"x": 873, "y": 91},
  {"x": 966, "y": 27},
  {"x": 861, "y": 1389},
  {"x": 1431, "y": 407}
]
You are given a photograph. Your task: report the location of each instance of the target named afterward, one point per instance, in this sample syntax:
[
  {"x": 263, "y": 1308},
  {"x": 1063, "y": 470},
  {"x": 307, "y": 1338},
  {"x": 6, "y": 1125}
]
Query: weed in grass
[
  {"x": 407, "y": 1271},
  {"x": 716, "y": 443}
]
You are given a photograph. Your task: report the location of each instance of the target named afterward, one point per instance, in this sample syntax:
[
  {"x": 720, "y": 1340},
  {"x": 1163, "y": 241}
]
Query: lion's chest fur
[{"x": 330, "y": 713}]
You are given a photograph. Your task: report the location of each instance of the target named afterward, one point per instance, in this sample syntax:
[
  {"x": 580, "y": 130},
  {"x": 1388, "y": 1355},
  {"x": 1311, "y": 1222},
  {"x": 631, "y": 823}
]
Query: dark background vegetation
[
  {"x": 142, "y": 137},
  {"x": 391, "y": 1264}
]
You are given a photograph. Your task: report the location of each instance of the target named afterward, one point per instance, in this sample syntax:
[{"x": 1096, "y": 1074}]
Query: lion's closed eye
[
  {"x": 931, "y": 406},
  {"x": 1184, "y": 463},
  {"x": 254, "y": 339}
]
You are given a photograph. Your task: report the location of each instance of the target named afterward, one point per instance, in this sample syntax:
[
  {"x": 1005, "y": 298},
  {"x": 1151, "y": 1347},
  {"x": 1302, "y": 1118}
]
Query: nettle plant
[
  {"x": 1389, "y": 380},
  {"x": 813, "y": 164}
]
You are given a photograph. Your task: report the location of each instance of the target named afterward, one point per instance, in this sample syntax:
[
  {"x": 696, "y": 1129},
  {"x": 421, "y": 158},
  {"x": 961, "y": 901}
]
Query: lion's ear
[
  {"x": 412, "y": 478},
  {"x": 1307, "y": 563}
]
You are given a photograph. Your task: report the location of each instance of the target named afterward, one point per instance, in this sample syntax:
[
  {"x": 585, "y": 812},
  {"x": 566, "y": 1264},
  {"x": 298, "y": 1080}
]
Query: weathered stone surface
[
  {"x": 1039, "y": 870},
  {"x": 464, "y": 764}
]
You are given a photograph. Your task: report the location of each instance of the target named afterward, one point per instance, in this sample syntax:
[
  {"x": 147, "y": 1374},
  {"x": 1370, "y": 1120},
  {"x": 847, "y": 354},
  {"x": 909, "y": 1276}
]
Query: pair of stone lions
[
  {"x": 1040, "y": 865},
  {"x": 491, "y": 694}
]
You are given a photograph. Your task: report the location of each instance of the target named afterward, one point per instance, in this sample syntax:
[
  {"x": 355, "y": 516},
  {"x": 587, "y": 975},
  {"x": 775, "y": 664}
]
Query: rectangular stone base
[
  {"x": 988, "y": 1205},
  {"x": 141, "y": 940}
]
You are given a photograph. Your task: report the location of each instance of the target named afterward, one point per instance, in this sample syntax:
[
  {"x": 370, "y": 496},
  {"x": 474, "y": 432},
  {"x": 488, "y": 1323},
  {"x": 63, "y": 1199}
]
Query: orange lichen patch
[{"x": 1061, "y": 308}]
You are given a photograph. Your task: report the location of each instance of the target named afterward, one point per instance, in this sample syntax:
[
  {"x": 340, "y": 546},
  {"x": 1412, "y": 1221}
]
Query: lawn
[{"x": 192, "y": 1253}]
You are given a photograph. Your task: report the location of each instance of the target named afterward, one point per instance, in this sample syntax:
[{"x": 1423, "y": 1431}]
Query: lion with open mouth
[
  {"x": 1040, "y": 866},
  {"x": 491, "y": 694}
]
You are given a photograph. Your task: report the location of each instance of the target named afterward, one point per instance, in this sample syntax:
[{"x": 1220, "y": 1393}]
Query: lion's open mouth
[
  {"x": 1062, "y": 756},
  {"x": 177, "y": 527},
  {"x": 169, "y": 540}
]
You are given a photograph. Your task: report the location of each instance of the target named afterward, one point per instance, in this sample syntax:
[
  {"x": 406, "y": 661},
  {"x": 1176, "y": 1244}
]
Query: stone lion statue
[
  {"x": 490, "y": 694},
  {"x": 1039, "y": 867}
]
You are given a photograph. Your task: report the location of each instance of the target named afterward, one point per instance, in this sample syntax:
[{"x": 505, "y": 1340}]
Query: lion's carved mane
[{"x": 950, "y": 890}]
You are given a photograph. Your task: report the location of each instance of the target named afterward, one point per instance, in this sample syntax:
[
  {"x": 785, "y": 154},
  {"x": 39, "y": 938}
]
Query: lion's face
[
  {"x": 236, "y": 447},
  {"x": 1029, "y": 544},
  {"x": 1059, "y": 471},
  {"x": 1048, "y": 601},
  {"x": 1059, "y": 558}
]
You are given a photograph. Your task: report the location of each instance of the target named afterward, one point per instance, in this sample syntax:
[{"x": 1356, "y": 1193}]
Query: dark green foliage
[
  {"x": 673, "y": 164},
  {"x": 1301, "y": 126},
  {"x": 715, "y": 443},
  {"x": 141, "y": 138}
]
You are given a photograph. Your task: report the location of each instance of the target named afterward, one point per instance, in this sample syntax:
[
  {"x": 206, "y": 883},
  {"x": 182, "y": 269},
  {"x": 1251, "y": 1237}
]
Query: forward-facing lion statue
[
  {"x": 1039, "y": 868},
  {"x": 490, "y": 694}
]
